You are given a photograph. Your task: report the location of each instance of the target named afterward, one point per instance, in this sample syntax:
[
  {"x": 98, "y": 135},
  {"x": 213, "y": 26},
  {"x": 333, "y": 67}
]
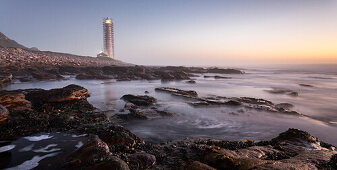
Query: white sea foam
[
  {"x": 38, "y": 138},
  {"x": 76, "y": 136},
  {"x": 34, "y": 162},
  {"x": 6, "y": 148},
  {"x": 79, "y": 144},
  {"x": 47, "y": 149}
]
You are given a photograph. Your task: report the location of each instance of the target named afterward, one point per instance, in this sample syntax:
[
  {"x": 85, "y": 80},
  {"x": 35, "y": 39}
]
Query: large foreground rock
[
  {"x": 95, "y": 155},
  {"x": 293, "y": 149},
  {"x": 37, "y": 110}
]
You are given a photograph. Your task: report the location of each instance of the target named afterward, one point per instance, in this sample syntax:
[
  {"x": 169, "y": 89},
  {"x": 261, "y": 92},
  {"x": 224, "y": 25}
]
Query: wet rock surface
[{"x": 246, "y": 102}]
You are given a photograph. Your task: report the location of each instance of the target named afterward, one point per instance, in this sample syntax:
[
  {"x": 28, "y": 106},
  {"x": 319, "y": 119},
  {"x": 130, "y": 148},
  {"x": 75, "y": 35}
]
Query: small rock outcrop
[
  {"x": 139, "y": 100},
  {"x": 246, "y": 102},
  {"x": 283, "y": 91},
  {"x": 178, "y": 92}
]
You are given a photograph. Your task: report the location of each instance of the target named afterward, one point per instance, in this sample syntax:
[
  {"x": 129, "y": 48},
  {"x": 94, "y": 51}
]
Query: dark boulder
[
  {"x": 89, "y": 153},
  {"x": 45, "y": 76},
  {"x": 333, "y": 161},
  {"x": 111, "y": 163},
  {"x": 284, "y": 106},
  {"x": 141, "y": 160},
  {"x": 295, "y": 136},
  {"x": 139, "y": 100},
  {"x": 69, "y": 93},
  {"x": 196, "y": 165},
  {"x": 114, "y": 135}
]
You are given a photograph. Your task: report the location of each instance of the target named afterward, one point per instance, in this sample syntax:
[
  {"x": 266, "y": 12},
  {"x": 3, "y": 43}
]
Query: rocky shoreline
[
  {"x": 27, "y": 65},
  {"x": 111, "y": 146}
]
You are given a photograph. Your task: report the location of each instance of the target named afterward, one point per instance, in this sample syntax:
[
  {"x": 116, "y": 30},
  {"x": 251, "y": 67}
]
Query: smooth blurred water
[
  {"x": 317, "y": 103},
  {"x": 42, "y": 150}
]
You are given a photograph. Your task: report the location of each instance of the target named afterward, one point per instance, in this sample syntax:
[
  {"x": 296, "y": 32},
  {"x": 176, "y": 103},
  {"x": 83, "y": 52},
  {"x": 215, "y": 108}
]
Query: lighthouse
[{"x": 108, "y": 37}]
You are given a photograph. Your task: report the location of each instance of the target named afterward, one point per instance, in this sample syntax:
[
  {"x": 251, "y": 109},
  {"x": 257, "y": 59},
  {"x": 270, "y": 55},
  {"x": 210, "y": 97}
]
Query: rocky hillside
[
  {"x": 13, "y": 54},
  {"x": 6, "y": 42},
  {"x": 18, "y": 56}
]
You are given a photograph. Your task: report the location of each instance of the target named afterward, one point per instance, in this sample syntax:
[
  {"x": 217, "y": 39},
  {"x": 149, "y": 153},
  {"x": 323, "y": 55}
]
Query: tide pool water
[{"x": 316, "y": 102}]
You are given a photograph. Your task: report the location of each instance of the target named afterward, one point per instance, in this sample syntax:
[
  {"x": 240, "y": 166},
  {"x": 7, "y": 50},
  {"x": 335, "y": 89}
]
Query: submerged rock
[
  {"x": 139, "y": 100},
  {"x": 306, "y": 85},
  {"x": 283, "y": 91},
  {"x": 191, "y": 81},
  {"x": 217, "y": 77},
  {"x": 178, "y": 92}
]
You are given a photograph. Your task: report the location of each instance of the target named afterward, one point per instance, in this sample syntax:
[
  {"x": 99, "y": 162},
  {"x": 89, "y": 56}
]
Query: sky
[{"x": 180, "y": 32}]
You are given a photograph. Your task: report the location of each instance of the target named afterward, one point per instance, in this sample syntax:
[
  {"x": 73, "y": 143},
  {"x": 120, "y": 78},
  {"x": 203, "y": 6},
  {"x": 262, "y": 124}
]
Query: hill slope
[{"x": 6, "y": 42}]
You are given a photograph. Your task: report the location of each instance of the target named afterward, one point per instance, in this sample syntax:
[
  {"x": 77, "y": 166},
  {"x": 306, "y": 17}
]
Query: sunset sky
[{"x": 181, "y": 32}]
